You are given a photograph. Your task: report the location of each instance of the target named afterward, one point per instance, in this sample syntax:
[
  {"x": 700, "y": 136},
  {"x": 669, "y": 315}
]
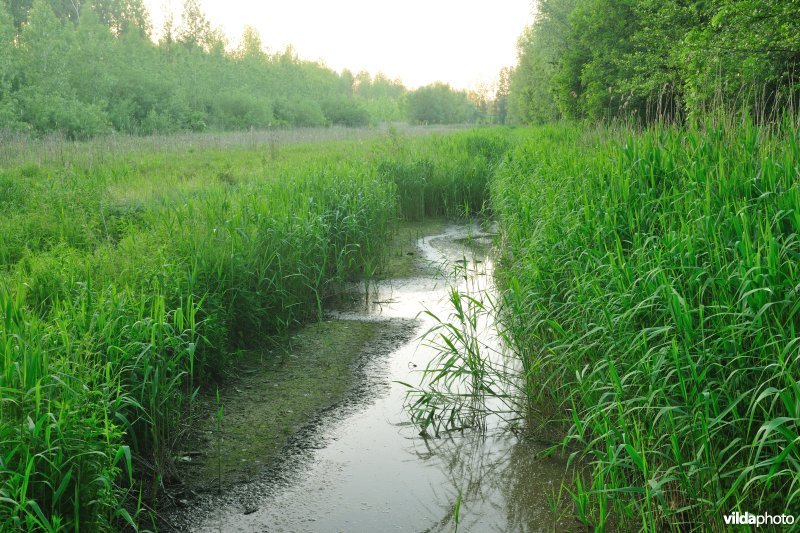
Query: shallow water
[{"x": 365, "y": 467}]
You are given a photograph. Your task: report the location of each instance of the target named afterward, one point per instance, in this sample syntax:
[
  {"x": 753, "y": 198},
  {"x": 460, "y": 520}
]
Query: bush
[
  {"x": 438, "y": 104},
  {"x": 345, "y": 112},
  {"x": 47, "y": 112},
  {"x": 240, "y": 111},
  {"x": 299, "y": 112}
]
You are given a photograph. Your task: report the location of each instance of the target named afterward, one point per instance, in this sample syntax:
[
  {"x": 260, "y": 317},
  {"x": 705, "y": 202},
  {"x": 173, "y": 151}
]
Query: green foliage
[
  {"x": 46, "y": 111},
  {"x": 6, "y": 57},
  {"x": 648, "y": 280},
  {"x": 532, "y": 98},
  {"x": 652, "y": 60},
  {"x": 7, "y": 70},
  {"x": 63, "y": 61},
  {"x": 438, "y": 104},
  {"x": 448, "y": 176},
  {"x": 60, "y": 82},
  {"x": 747, "y": 54},
  {"x": 196, "y": 31},
  {"x": 501, "y": 102},
  {"x": 130, "y": 278},
  {"x": 299, "y": 112},
  {"x": 236, "y": 111},
  {"x": 345, "y": 112},
  {"x": 650, "y": 287},
  {"x": 381, "y": 96}
]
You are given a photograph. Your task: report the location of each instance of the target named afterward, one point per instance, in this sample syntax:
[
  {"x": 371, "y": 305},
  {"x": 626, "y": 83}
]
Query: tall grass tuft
[
  {"x": 446, "y": 176},
  {"x": 651, "y": 288}
]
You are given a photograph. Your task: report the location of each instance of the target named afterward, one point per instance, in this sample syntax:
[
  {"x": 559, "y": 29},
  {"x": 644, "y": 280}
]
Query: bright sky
[{"x": 461, "y": 42}]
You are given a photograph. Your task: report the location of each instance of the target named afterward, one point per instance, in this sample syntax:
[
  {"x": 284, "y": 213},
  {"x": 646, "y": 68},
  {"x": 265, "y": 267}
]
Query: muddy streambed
[{"x": 361, "y": 465}]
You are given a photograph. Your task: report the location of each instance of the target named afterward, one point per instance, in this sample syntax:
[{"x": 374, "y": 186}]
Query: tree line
[
  {"x": 655, "y": 59},
  {"x": 83, "y": 68}
]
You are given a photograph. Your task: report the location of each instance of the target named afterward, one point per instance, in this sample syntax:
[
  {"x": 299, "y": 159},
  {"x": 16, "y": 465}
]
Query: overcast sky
[{"x": 462, "y": 42}]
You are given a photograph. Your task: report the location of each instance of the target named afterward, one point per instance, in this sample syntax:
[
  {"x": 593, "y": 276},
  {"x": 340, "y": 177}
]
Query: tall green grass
[
  {"x": 447, "y": 176},
  {"x": 651, "y": 288},
  {"x": 128, "y": 280}
]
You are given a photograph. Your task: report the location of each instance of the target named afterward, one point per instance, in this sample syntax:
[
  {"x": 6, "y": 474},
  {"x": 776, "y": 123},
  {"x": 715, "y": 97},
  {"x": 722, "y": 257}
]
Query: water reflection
[{"x": 373, "y": 470}]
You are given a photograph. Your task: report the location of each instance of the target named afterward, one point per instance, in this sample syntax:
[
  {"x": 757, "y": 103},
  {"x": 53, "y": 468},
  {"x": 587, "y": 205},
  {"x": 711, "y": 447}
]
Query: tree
[
  {"x": 499, "y": 105},
  {"x": 251, "y": 47},
  {"x": 480, "y": 100},
  {"x": 47, "y": 100},
  {"x": 84, "y": 74},
  {"x": 7, "y": 67},
  {"x": 533, "y": 89},
  {"x": 746, "y": 51},
  {"x": 195, "y": 30},
  {"x": 438, "y": 104},
  {"x": 91, "y": 59},
  {"x": 656, "y": 59},
  {"x": 123, "y": 16},
  {"x": 44, "y": 45}
]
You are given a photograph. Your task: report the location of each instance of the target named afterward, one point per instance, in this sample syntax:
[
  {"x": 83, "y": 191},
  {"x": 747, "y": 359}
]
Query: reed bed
[
  {"x": 651, "y": 289},
  {"x": 129, "y": 281}
]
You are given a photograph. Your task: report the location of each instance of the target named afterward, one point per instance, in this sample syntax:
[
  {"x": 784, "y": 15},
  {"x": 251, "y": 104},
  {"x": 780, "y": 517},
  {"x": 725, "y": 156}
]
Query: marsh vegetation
[{"x": 645, "y": 282}]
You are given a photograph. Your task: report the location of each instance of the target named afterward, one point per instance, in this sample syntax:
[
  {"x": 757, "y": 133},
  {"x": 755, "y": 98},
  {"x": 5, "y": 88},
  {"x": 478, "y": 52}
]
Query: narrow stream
[{"x": 365, "y": 466}]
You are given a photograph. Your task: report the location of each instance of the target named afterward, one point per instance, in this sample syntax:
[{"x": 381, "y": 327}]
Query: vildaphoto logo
[{"x": 758, "y": 520}]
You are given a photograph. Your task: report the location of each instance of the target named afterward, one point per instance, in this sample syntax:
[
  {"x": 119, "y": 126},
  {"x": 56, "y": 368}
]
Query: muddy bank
[
  {"x": 361, "y": 465},
  {"x": 270, "y": 396}
]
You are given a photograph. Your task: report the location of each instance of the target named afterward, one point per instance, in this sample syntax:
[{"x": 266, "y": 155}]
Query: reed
[
  {"x": 650, "y": 286},
  {"x": 131, "y": 274},
  {"x": 648, "y": 281}
]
